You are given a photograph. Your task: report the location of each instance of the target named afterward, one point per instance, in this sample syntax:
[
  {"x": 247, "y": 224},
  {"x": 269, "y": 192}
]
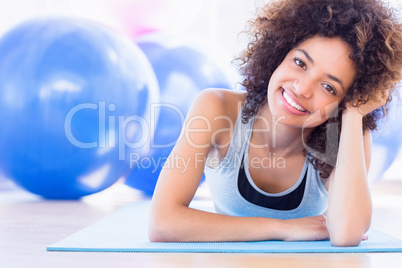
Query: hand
[
  {"x": 365, "y": 237},
  {"x": 372, "y": 104},
  {"x": 306, "y": 229}
]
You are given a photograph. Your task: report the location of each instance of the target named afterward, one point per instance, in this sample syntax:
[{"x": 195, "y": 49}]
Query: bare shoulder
[
  {"x": 215, "y": 111},
  {"x": 215, "y": 102}
]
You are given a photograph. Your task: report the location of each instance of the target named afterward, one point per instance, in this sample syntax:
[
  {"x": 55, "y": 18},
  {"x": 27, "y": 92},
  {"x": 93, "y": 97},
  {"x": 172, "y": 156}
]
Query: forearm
[
  {"x": 349, "y": 208},
  {"x": 184, "y": 224}
]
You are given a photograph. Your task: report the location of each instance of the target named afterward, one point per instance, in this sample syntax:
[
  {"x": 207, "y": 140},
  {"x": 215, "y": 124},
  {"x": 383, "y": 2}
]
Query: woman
[{"x": 295, "y": 145}]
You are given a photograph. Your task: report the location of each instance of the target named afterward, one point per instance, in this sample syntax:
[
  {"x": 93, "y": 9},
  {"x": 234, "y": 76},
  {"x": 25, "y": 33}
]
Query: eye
[
  {"x": 300, "y": 63},
  {"x": 330, "y": 88}
]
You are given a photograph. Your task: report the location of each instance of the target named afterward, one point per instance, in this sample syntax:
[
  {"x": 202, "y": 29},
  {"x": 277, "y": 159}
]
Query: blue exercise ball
[
  {"x": 184, "y": 65},
  {"x": 74, "y": 101},
  {"x": 387, "y": 140}
]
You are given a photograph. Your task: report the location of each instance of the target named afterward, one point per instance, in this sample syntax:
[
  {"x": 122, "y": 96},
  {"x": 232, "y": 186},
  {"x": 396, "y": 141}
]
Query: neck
[{"x": 271, "y": 134}]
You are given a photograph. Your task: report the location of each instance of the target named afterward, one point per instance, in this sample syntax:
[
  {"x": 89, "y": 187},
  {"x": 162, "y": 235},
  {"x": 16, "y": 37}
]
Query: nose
[{"x": 303, "y": 87}]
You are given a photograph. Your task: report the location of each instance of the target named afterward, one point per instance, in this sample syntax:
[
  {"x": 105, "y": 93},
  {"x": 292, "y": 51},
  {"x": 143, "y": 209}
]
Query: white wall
[{"x": 217, "y": 20}]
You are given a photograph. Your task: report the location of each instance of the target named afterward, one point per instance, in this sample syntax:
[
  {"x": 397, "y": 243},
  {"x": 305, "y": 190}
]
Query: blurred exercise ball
[
  {"x": 136, "y": 17},
  {"x": 387, "y": 141},
  {"x": 184, "y": 65},
  {"x": 73, "y": 99}
]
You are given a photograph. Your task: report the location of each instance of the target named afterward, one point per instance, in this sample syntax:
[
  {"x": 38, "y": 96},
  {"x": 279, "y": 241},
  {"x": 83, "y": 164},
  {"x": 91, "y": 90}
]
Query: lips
[{"x": 292, "y": 104}]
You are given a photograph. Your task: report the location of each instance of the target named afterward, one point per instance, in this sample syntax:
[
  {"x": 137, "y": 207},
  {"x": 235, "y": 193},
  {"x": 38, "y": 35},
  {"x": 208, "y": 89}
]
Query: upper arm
[{"x": 179, "y": 180}]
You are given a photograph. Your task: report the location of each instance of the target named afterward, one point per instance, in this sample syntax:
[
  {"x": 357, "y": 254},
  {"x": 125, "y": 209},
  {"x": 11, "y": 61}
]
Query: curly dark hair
[{"x": 368, "y": 26}]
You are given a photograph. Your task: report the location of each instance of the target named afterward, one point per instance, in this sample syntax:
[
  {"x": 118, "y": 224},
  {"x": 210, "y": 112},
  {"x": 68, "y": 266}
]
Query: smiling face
[{"x": 311, "y": 80}]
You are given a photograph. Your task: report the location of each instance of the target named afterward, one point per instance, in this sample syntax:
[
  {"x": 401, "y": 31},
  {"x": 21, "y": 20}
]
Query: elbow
[
  {"x": 155, "y": 232},
  {"x": 350, "y": 236},
  {"x": 346, "y": 240},
  {"x": 156, "y": 235},
  {"x": 161, "y": 228},
  {"x": 159, "y": 231},
  {"x": 348, "y": 232}
]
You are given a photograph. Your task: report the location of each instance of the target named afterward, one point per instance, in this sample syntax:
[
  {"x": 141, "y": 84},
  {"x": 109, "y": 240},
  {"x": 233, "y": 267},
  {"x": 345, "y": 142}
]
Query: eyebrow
[
  {"x": 306, "y": 54},
  {"x": 334, "y": 78}
]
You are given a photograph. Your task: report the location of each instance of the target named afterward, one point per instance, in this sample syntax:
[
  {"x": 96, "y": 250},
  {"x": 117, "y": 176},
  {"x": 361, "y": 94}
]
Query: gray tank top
[{"x": 228, "y": 194}]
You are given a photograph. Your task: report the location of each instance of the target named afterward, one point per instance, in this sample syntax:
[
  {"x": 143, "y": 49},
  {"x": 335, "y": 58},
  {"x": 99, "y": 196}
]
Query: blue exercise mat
[{"x": 126, "y": 231}]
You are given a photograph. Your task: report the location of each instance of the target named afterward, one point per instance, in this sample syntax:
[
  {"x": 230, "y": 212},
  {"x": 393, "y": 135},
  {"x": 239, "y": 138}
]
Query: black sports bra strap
[{"x": 286, "y": 202}]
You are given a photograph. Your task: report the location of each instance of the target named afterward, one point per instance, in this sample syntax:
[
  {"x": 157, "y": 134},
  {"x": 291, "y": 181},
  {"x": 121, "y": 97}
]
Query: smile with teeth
[{"x": 292, "y": 103}]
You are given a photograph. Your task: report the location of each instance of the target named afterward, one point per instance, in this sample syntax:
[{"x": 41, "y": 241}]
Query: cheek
[
  {"x": 322, "y": 111},
  {"x": 328, "y": 110},
  {"x": 275, "y": 82},
  {"x": 280, "y": 72},
  {"x": 271, "y": 83},
  {"x": 325, "y": 102}
]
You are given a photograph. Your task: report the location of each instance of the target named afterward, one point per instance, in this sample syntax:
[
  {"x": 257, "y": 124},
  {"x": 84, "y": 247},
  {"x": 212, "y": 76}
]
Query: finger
[{"x": 365, "y": 237}]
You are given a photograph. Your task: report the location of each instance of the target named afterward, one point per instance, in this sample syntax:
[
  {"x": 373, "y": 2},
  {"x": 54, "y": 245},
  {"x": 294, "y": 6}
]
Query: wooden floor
[{"x": 28, "y": 224}]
